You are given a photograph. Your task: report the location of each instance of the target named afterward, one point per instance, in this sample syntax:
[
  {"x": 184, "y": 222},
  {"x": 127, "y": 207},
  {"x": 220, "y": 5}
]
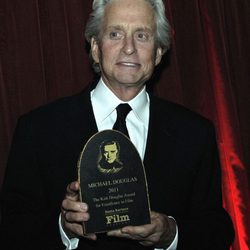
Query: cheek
[
  {"x": 109, "y": 49},
  {"x": 147, "y": 56},
  {"x": 107, "y": 59},
  {"x": 149, "y": 63}
]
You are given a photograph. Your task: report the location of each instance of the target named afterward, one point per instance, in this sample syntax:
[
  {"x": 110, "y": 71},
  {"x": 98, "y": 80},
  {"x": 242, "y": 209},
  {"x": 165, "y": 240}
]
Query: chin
[{"x": 130, "y": 81}]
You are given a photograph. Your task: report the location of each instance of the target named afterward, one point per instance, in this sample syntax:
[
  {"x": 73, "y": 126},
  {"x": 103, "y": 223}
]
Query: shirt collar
[{"x": 104, "y": 101}]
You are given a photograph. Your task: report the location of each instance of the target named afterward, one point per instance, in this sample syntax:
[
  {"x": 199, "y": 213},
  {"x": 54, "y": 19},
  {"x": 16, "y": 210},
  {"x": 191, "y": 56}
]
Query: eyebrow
[
  {"x": 117, "y": 27},
  {"x": 120, "y": 27}
]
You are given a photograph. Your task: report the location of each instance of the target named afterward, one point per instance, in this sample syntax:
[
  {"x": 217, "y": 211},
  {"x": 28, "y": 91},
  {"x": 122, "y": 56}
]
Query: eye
[
  {"x": 115, "y": 35},
  {"x": 142, "y": 36}
]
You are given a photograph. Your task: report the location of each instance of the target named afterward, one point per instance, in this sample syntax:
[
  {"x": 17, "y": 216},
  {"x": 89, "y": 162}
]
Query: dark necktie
[{"x": 122, "y": 111}]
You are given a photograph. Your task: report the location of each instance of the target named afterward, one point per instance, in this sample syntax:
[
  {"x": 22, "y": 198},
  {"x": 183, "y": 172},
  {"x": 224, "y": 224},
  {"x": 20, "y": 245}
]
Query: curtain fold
[
  {"x": 43, "y": 56},
  {"x": 235, "y": 179}
]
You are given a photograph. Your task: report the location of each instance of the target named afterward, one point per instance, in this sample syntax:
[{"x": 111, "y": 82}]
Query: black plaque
[{"x": 113, "y": 183}]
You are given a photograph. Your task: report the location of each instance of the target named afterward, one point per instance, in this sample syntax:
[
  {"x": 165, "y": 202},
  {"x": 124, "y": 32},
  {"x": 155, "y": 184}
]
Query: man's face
[
  {"x": 126, "y": 51},
  {"x": 110, "y": 152}
]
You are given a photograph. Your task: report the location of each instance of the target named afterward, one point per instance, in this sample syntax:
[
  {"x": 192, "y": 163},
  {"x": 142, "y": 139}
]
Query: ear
[
  {"x": 158, "y": 56},
  {"x": 95, "y": 50}
]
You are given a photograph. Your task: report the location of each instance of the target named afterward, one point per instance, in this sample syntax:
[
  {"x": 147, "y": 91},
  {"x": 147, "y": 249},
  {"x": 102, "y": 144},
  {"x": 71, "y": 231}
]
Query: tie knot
[{"x": 122, "y": 110}]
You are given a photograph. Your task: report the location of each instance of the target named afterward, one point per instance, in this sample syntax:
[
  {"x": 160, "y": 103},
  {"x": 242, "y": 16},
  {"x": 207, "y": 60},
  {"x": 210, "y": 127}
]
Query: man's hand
[
  {"x": 160, "y": 233},
  {"x": 74, "y": 213}
]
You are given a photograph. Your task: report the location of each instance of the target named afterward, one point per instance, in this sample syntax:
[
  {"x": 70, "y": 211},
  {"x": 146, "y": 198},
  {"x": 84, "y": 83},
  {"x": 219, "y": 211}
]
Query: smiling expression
[{"x": 126, "y": 50}]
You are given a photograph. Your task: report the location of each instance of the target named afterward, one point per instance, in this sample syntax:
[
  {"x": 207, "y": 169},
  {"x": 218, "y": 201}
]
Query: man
[
  {"x": 178, "y": 148},
  {"x": 110, "y": 163}
]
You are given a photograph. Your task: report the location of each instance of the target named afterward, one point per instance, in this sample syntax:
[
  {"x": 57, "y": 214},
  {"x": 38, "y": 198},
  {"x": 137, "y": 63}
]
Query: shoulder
[
  {"x": 170, "y": 110},
  {"x": 179, "y": 120},
  {"x": 57, "y": 106},
  {"x": 57, "y": 110}
]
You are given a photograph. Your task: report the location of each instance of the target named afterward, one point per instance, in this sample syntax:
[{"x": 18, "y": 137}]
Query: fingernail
[{"x": 83, "y": 207}]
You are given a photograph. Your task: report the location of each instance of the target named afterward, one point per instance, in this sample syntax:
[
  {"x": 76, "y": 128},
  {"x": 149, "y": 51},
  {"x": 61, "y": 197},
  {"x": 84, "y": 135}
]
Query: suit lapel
[
  {"x": 160, "y": 152},
  {"x": 80, "y": 121},
  {"x": 160, "y": 133}
]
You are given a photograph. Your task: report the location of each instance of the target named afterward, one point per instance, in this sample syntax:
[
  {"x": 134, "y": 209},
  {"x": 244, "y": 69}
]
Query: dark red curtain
[{"x": 43, "y": 56}]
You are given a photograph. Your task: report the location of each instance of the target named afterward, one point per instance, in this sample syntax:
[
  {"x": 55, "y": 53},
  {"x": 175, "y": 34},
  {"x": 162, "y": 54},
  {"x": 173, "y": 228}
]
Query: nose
[{"x": 129, "y": 46}]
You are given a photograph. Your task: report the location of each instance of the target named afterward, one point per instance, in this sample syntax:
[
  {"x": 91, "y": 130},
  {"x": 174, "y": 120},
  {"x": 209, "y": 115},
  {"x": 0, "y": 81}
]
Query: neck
[{"x": 125, "y": 92}]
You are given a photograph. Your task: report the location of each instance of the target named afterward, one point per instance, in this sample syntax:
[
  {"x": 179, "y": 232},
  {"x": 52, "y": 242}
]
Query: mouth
[{"x": 128, "y": 64}]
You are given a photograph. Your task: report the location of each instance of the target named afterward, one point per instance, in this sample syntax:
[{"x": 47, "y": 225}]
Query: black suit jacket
[{"x": 181, "y": 163}]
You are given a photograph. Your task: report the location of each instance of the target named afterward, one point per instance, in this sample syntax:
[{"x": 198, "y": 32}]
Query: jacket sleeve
[
  {"x": 25, "y": 210},
  {"x": 206, "y": 224}
]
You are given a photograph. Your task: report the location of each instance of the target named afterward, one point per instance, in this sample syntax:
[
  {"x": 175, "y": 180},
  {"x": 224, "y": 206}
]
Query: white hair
[{"x": 163, "y": 30}]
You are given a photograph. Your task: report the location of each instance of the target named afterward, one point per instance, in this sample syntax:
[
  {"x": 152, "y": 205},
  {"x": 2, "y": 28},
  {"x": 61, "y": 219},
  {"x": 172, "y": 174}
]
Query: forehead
[
  {"x": 110, "y": 147},
  {"x": 132, "y": 13}
]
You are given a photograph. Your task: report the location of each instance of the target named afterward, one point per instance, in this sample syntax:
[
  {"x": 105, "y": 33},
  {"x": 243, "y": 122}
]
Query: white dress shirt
[{"x": 104, "y": 103}]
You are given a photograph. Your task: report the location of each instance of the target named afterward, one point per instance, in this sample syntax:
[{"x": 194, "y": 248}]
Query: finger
[
  {"x": 118, "y": 233},
  {"x": 139, "y": 231},
  {"x": 153, "y": 215},
  {"x": 72, "y": 191},
  {"x": 75, "y": 206},
  {"x": 90, "y": 236},
  {"x": 74, "y": 217},
  {"x": 130, "y": 232},
  {"x": 75, "y": 229},
  {"x": 146, "y": 235},
  {"x": 146, "y": 243}
]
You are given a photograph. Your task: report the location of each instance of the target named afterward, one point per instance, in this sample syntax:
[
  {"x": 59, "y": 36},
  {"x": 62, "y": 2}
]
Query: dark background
[{"x": 43, "y": 56}]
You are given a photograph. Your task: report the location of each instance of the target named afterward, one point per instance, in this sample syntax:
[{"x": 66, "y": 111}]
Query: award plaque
[{"x": 113, "y": 183}]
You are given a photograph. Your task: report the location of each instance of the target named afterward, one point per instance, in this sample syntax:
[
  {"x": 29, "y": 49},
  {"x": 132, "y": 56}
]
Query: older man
[{"x": 128, "y": 39}]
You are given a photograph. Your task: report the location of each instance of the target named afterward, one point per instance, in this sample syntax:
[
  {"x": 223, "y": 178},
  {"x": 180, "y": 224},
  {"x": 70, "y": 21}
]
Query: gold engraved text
[{"x": 116, "y": 218}]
